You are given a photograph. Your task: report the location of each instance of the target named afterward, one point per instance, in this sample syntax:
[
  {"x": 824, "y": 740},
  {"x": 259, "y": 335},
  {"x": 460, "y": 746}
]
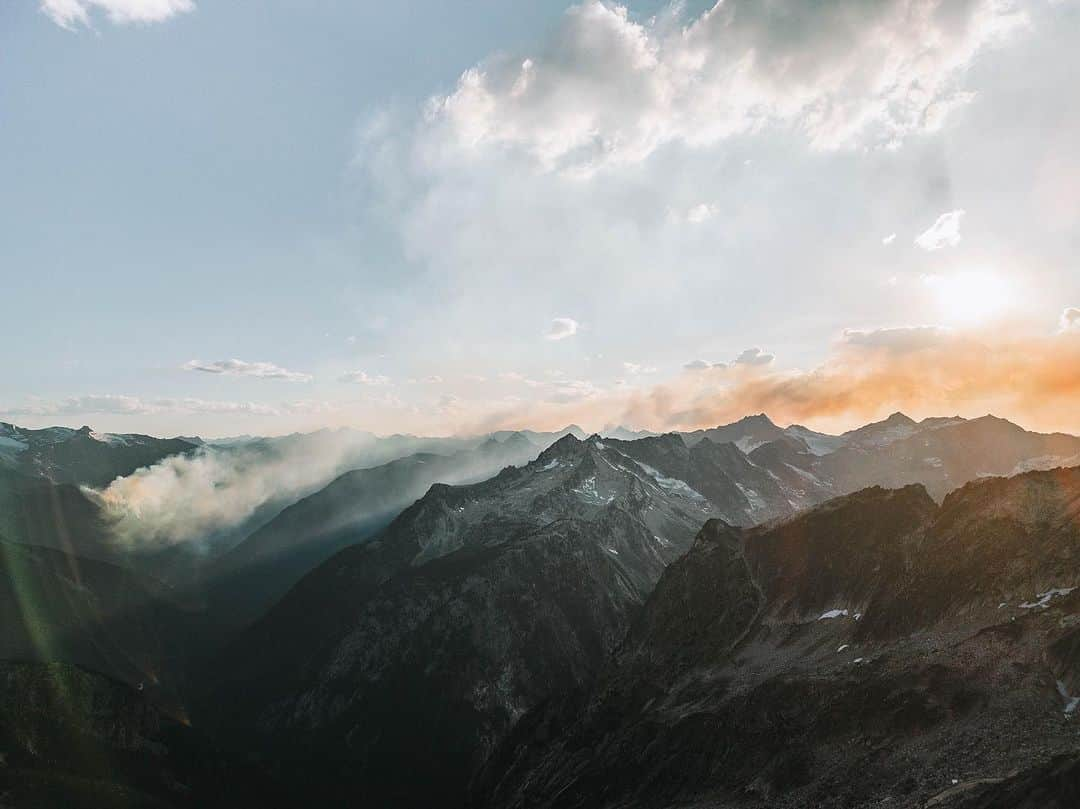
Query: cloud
[
  {"x": 72, "y": 13},
  {"x": 1070, "y": 320},
  {"x": 889, "y": 239},
  {"x": 234, "y": 367},
  {"x": 1029, "y": 378},
  {"x": 700, "y": 213},
  {"x": 945, "y": 232},
  {"x": 197, "y": 497},
  {"x": 121, "y": 405},
  {"x": 637, "y": 369},
  {"x": 572, "y": 390},
  {"x": 753, "y": 356},
  {"x": 607, "y": 89},
  {"x": 899, "y": 339},
  {"x": 696, "y": 365},
  {"x": 561, "y": 328},
  {"x": 363, "y": 378}
]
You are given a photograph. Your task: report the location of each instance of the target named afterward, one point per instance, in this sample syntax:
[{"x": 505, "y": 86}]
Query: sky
[{"x": 259, "y": 217}]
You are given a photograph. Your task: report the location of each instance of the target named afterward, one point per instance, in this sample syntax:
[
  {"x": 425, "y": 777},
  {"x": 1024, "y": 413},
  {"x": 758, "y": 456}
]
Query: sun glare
[{"x": 970, "y": 297}]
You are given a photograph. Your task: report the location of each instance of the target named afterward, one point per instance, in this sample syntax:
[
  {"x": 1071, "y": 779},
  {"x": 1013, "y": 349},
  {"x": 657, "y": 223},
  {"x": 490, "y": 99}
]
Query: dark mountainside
[
  {"x": 398, "y": 664},
  {"x": 878, "y": 650},
  {"x": 36, "y": 511},
  {"x": 495, "y": 634},
  {"x": 72, "y": 738},
  {"x": 58, "y": 607}
]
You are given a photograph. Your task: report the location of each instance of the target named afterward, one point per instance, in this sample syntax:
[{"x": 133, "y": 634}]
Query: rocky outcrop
[{"x": 876, "y": 650}]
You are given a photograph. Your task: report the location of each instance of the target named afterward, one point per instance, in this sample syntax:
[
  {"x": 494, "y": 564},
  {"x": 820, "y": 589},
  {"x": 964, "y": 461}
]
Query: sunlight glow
[{"x": 971, "y": 297}]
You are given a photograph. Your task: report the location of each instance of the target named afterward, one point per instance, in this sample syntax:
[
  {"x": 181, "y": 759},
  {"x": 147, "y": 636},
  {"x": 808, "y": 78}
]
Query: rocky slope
[
  {"x": 400, "y": 663},
  {"x": 59, "y": 607},
  {"x": 879, "y": 650},
  {"x": 71, "y": 738}
]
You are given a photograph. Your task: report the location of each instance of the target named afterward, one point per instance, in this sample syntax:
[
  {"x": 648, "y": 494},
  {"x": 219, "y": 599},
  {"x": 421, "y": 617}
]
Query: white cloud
[
  {"x": 607, "y": 89},
  {"x": 753, "y": 356},
  {"x": 234, "y": 367},
  {"x": 637, "y": 369},
  {"x": 945, "y": 232},
  {"x": 561, "y": 328},
  {"x": 899, "y": 339},
  {"x": 363, "y": 378},
  {"x": 118, "y": 404},
  {"x": 702, "y": 365},
  {"x": 1070, "y": 320},
  {"x": 700, "y": 213},
  {"x": 572, "y": 390},
  {"x": 889, "y": 239},
  {"x": 72, "y": 13}
]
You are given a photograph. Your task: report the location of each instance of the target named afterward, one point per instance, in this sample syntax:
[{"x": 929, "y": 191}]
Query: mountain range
[{"x": 736, "y": 616}]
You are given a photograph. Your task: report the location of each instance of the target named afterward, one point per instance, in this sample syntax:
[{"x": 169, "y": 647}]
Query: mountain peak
[
  {"x": 567, "y": 446},
  {"x": 758, "y": 420},
  {"x": 898, "y": 418}
]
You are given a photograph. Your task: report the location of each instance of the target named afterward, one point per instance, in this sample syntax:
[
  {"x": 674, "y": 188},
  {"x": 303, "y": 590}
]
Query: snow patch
[
  {"x": 1039, "y": 463},
  {"x": 1044, "y": 599},
  {"x": 828, "y": 615},
  {"x": 672, "y": 485},
  {"x": 1071, "y": 702},
  {"x": 752, "y": 497},
  {"x": 817, "y": 443},
  {"x": 113, "y": 439},
  {"x": 748, "y": 444},
  {"x": 588, "y": 492}
]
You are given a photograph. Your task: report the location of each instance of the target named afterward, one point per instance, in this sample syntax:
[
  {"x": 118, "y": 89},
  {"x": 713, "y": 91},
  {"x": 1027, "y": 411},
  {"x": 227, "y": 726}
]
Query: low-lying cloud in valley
[{"x": 205, "y": 496}]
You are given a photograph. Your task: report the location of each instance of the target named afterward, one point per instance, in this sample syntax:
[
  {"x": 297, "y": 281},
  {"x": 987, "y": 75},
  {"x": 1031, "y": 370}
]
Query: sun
[{"x": 970, "y": 297}]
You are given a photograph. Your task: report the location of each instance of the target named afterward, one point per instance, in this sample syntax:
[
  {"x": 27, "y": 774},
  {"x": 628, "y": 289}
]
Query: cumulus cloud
[
  {"x": 753, "y": 356},
  {"x": 363, "y": 378},
  {"x": 73, "y": 13},
  {"x": 234, "y": 367},
  {"x": 696, "y": 365},
  {"x": 561, "y": 328},
  {"x": 1070, "y": 319},
  {"x": 607, "y": 89},
  {"x": 889, "y": 239},
  {"x": 945, "y": 232}
]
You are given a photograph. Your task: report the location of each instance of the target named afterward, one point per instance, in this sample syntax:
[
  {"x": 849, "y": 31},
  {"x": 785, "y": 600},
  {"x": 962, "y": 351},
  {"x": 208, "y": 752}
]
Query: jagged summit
[{"x": 757, "y": 420}]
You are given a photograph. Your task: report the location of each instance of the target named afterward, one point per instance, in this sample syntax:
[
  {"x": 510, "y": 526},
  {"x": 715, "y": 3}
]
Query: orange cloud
[{"x": 924, "y": 371}]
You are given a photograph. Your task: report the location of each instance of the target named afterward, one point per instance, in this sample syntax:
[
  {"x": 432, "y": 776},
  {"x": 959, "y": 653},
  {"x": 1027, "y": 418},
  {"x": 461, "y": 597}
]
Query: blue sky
[{"x": 259, "y": 217}]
